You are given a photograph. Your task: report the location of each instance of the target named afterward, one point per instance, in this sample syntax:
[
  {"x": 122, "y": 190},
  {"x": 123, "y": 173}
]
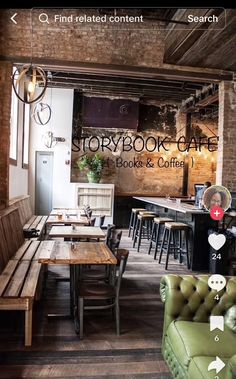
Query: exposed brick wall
[
  {"x": 204, "y": 168},
  {"x": 227, "y": 136},
  {"x": 5, "y": 109},
  {"x": 141, "y": 45},
  {"x": 157, "y": 180}
]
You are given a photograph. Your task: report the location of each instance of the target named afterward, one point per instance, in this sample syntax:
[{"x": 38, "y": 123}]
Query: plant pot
[{"x": 93, "y": 177}]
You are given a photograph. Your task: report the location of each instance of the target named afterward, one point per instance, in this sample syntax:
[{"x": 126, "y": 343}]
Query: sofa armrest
[
  {"x": 180, "y": 297},
  {"x": 231, "y": 368}
]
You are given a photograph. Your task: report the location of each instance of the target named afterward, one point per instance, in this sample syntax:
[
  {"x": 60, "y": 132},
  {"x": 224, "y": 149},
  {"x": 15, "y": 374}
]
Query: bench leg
[{"x": 28, "y": 327}]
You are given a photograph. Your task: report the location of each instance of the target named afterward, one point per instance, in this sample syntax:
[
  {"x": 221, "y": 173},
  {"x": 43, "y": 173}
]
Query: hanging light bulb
[
  {"x": 31, "y": 87},
  {"x": 28, "y": 79}
]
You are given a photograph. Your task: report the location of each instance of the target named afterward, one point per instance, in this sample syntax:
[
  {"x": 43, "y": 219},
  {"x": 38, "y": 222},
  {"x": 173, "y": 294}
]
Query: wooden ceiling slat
[
  {"x": 189, "y": 38},
  {"x": 220, "y": 51},
  {"x": 212, "y": 48}
]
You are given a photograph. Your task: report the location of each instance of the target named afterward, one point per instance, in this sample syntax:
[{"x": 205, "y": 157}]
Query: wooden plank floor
[{"x": 57, "y": 351}]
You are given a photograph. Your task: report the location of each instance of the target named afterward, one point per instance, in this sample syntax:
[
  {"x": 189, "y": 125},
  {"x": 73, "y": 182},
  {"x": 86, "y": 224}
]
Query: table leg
[
  {"x": 75, "y": 282},
  {"x": 71, "y": 314},
  {"x": 71, "y": 292}
]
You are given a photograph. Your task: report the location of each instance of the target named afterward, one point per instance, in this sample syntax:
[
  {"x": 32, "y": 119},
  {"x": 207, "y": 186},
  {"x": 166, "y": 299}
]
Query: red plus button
[{"x": 217, "y": 213}]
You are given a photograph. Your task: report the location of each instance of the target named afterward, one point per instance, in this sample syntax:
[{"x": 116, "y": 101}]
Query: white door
[{"x": 43, "y": 182}]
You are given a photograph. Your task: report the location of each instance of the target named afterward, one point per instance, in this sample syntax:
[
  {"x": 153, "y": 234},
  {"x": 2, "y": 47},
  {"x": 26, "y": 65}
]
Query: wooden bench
[
  {"x": 28, "y": 220},
  {"x": 21, "y": 275}
]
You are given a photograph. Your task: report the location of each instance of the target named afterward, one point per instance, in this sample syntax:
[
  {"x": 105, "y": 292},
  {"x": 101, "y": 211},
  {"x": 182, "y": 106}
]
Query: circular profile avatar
[{"x": 217, "y": 196}]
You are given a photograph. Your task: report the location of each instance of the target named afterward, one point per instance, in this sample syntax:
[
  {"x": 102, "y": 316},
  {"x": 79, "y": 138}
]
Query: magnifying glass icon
[{"x": 43, "y": 17}]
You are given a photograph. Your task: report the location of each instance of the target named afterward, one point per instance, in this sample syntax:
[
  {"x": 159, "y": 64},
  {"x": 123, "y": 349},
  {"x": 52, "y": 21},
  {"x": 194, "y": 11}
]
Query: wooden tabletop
[
  {"x": 72, "y": 219},
  {"x": 55, "y": 252},
  {"x": 78, "y": 232},
  {"x": 172, "y": 204},
  {"x": 69, "y": 211}
]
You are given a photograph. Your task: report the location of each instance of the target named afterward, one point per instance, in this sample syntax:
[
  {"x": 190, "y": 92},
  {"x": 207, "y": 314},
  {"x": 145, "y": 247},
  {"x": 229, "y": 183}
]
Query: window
[
  {"x": 25, "y": 147},
  {"x": 14, "y": 127}
]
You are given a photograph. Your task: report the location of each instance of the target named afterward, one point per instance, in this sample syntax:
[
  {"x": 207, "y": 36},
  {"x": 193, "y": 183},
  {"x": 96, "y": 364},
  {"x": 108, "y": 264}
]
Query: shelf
[
  {"x": 100, "y": 197},
  {"x": 100, "y": 209},
  {"x": 94, "y": 194}
]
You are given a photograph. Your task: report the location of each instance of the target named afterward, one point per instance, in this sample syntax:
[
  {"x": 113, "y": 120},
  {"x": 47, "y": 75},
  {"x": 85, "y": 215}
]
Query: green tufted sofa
[{"x": 188, "y": 346}]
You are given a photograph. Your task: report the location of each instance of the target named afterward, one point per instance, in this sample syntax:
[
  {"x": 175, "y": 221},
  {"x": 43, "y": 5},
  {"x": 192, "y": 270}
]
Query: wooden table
[
  {"x": 88, "y": 232},
  {"x": 75, "y": 254},
  {"x": 69, "y": 211},
  {"x": 72, "y": 219}
]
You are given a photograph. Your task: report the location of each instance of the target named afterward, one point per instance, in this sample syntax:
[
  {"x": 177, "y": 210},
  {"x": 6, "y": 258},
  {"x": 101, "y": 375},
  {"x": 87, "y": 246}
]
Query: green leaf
[{"x": 93, "y": 163}]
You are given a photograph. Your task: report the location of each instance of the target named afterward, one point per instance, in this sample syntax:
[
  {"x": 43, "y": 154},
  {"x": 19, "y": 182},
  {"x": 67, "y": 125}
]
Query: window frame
[
  {"x": 25, "y": 136},
  {"x": 13, "y": 148}
]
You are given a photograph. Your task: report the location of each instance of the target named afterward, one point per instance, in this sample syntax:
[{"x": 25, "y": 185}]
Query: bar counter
[
  {"x": 199, "y": 220},
  {"x": 173, "y": 205}
]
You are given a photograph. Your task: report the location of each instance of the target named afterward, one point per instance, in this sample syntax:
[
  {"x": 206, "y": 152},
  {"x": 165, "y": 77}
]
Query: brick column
[
  {"x": 226, "y": 157},
  {"x": 5, "y": 113}
]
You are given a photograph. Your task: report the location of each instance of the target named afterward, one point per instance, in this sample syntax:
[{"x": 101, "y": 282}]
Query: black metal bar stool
[
  {"x": 157, "y": 225},
  {"x": 133, "y": 218},
  {"x": 143, "y": 227},
  {"x": 171, "y": 228},
  {"x": 148, "y": 225}
]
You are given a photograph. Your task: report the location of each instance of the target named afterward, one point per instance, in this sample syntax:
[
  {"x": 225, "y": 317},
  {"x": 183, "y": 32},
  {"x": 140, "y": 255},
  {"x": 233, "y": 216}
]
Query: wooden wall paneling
[
  {"x": 3, "y": 249},
  {"x": 13, "y": 230}
]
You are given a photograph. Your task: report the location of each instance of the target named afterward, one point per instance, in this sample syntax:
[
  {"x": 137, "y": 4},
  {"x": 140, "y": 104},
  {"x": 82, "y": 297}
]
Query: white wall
[
  {"x": 18, "y": 176},
  {"x": 61, "y": 101}
]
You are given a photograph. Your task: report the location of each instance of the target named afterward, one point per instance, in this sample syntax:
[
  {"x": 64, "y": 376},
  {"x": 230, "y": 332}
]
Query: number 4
[{"x": 217, "y": 297}]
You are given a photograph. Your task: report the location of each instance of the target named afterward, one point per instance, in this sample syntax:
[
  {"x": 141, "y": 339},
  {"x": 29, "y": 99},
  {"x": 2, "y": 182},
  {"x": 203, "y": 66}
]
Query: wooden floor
[{"x": 57, "y": 351}]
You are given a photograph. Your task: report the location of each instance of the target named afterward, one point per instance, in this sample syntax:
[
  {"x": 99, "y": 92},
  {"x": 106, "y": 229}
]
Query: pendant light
[
  {"x": 41, "y": 113},
  {"x": 30, "y": 81}
]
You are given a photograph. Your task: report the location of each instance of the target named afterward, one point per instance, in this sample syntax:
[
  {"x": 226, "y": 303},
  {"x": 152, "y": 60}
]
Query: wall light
[
  {"x": 27, "y": 80},
  {"x": 51, "y": 141}
]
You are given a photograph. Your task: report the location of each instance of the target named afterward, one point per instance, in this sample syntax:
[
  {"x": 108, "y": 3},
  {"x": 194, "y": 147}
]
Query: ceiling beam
[
  {"x": 166, "y": 72},
  {"x": 102, "y": 85},
  {"x": 60, "y": 76}
]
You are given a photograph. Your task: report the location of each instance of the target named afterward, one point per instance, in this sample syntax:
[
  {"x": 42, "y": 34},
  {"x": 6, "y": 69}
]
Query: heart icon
[{"x": 216, "y": 240}]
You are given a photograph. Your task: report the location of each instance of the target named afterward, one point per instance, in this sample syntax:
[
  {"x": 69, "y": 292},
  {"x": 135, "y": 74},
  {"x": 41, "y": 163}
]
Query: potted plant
[{"x": 94, "y": 165}]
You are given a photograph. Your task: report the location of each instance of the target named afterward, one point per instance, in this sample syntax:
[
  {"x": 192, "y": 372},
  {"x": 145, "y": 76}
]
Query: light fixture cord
[
  {"x": 50, "y": 105},
  {"x": 31, "y": 33}
]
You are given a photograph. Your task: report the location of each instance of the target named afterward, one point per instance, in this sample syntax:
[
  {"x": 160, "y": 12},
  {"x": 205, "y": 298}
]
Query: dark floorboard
[{"x": 57, "y": 351}]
